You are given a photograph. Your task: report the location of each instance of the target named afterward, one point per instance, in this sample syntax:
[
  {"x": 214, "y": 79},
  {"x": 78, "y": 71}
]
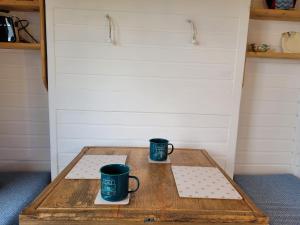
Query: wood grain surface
[{"x": 157, "y": 201}]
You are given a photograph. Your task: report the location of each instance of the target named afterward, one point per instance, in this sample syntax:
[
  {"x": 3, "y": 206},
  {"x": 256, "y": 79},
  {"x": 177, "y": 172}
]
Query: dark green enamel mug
[
  {"x": 115, "y": 182},
  {"x": 159, "y": 149}
]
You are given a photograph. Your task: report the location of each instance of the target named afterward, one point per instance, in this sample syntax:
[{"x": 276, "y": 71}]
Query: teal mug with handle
[
  {"x": 159, "y": 149},
  {"x": 115, "y": 182}
]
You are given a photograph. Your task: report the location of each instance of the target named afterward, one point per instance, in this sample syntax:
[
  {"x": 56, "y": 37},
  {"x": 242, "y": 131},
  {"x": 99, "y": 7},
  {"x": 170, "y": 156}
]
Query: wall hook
[
  {"x": 110, "y": 29},
  {"x": 194, "y": 32}
]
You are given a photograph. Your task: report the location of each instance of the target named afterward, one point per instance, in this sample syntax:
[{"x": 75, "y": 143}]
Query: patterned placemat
[
  {"x": 88, "y": 166},
  {"x": 203, "y": 182}
]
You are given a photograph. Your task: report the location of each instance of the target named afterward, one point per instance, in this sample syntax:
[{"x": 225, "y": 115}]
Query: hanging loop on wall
[
  {"x": 194, "y": 32},
  {"x": 110, "y": 28}
]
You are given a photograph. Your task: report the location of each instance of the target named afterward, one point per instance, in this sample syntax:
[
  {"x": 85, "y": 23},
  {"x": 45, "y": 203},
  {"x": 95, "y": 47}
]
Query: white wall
[
  {"x": 24, "y": 128},
  {"x": 270, "y": 106},
  {"x": 153, "y": 83}
]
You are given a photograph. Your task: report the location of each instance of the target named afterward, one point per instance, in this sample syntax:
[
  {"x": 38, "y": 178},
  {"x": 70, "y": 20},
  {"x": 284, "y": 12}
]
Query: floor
[
  {"x": 277, "y": 195},
  {"x": 17, "y": 189}
]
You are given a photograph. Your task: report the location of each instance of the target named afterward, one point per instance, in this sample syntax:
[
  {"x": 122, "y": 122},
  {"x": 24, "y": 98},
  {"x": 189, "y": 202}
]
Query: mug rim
[
  {"x": 115, "y": 164},
  {"x": 158, "y": 139}
]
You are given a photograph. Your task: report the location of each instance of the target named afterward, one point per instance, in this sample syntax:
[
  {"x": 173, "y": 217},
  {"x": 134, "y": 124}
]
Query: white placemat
[
  {"x": 203, "y": 182},
  {"x": 100, "y": 201},
  {"x": 88, "y": 166},
  {"x": 159, "y": 162}
]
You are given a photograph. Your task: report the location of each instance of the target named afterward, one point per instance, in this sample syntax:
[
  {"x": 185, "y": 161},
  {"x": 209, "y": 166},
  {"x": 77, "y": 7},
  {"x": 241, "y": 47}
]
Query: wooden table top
[{"x": 156, "y": 201}]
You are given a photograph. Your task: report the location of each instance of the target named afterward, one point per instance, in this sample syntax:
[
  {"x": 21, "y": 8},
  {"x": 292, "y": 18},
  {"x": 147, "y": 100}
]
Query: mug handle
[
  {"x": 169, "y": 153},
  {"x": 138, "y": 183}
]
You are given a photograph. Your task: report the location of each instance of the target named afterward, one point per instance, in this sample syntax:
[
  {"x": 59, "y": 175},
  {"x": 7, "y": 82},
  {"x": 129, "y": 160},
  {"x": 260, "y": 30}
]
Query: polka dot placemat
[
  {"x": 89, "y": 165},
  {"x": 203, "y": 182}
]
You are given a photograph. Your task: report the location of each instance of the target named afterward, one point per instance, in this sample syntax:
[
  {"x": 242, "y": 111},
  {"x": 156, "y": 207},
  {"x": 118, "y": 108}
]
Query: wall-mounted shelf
[
  {"x": 30, "y": 5},
  {"x": 20, "y": 5},
  {"x": 275, "y": 14},
  {"x": 9, "y": 45},
  {"x": 274, "y": 55}
]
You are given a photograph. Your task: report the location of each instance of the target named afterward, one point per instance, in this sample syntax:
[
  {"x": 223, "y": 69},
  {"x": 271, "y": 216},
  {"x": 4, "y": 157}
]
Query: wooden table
[{"x": 71, "y": 202}]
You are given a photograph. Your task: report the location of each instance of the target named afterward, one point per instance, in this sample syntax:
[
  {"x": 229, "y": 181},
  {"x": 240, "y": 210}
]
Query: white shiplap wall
[
  {"x": 24, "y": 126},
  {"x": 269, "y": 108},
  {"x": 153, "y": 83}
]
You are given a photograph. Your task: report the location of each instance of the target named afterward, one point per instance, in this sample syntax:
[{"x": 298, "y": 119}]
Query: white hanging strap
[
  {"x": 110, "y": 28},
  {"x": 194, "y": 32}
]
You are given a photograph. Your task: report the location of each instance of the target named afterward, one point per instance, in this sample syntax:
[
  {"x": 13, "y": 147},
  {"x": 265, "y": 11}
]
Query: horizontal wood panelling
[
  {"x": 189, "y": 7},
  {"x": 143, "y": 69},
  {"x": 269, "y": 108},
  {"x": 264, "y": 158},
  {"x": 263, "y": 120},
  {"x": 262, "y": 169},
  {"x": 24, "y": 141},
  {"x": 170, "y": 22},
  {"x": 24, "y": 101},
  {"x": 146, "y": 85},
  {"x": 281, "y": 80},
  {"x": 141, "y": 119},
  {"x": 271, "y": 67},
  {"x": 277, "y": 133},
  {"x": 24, "y": 123},
  {"x": 23, "y": 165},
  {"x": 26, "y": 128},
  {"x": 131, "y": 36},
  {"x": 154, "y": 54},
  {"x": 20, "y": 73},
  {"x": 271, "y": 145},
  {"x": 24, "y": 114},
  {"x": 21, "y": 154},
  {"x": 153, "y": 82},
  {"x": 19, "y": 57},
  {"x": 173, "y": 101},
  {"x": 8, "y": 86},
  {"x": 121, "y": 132},
  {"x": 271, "y": 94},
  {"x": 75, "y": 145}
]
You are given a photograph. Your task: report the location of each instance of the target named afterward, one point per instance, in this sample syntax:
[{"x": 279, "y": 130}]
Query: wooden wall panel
[
  {"x": 269, "y": 109},
  {"x": 24, "y": 120},
  {"x": 153, "y": 82}
]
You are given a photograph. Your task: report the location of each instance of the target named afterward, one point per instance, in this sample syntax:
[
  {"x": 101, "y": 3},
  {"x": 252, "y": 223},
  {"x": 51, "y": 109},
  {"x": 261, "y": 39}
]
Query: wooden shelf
[
  {"x": 274, "y": 55},
  {"x": 10, "y": 45},
  {"x": 275, "y": 14},
  {"x": 30, "y": 5},
  {"x": 20, "y": 5}
]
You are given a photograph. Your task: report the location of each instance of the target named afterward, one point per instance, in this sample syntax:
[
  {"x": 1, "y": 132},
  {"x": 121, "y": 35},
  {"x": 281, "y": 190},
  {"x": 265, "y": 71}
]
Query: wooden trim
[
  {"x": 16, "y": 45},
  {"x": 274, "y": 55},
  {"x": 275, "y": 14},
  {"x": 20, "y": 5},
  {"x": 43, "y": 44},
  {"x": 90, "y": 222}
]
